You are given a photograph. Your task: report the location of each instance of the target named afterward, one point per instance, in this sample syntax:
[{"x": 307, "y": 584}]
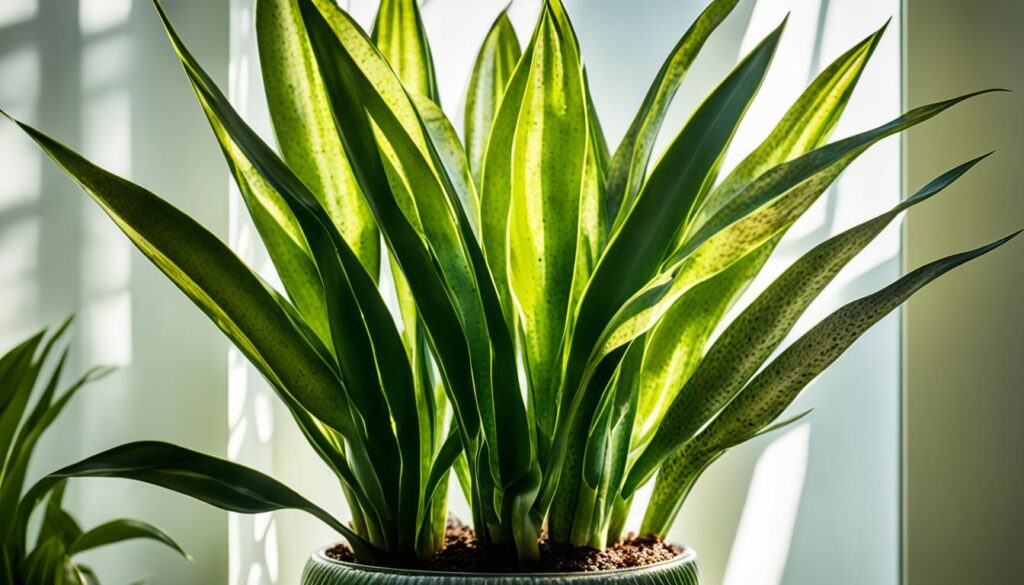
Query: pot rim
[{"x": 687, "y": 556}]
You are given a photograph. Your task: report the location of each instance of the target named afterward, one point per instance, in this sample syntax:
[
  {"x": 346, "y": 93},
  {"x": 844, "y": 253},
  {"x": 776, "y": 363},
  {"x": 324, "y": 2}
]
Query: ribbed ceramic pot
[{"x": 322, "y": 570}]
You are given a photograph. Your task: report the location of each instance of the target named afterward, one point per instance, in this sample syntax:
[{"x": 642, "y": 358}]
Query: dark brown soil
[{"x": 463, "y": 553}]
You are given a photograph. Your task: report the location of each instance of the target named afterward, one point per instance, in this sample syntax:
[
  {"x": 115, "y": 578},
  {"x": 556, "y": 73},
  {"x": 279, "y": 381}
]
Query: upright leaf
[
  {"x": 805, "y": 126},
  {"x": 491, "y": 73},
  {"x": 628, "y": 168},
  {"x": 677, "y": 342},
  {"x": 399, "y": 34},
  {"x": 631, "y": 257},
  {"x": 304, "y": 126},
  {"x": 548, "y": 158}
]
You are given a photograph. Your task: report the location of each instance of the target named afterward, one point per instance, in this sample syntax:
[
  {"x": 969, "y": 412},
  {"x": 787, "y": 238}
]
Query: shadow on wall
[{"x": 99, "y": 76}]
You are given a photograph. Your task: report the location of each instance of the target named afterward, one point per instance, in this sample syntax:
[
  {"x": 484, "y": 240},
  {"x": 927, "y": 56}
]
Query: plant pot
[{"x": 322, "y": 570}]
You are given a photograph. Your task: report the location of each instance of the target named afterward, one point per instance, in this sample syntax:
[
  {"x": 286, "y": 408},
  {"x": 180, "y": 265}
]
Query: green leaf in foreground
[{"x": 217, "y": 482}]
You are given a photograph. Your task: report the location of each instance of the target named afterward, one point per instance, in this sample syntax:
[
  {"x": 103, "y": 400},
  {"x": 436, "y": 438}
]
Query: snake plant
[
  {"x": 556, "y": 297},
  {"x": 50, "y": 558}
]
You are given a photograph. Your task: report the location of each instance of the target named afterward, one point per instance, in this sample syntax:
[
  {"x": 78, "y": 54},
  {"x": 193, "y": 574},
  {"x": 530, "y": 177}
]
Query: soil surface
[{"x": 463, "y": 553}]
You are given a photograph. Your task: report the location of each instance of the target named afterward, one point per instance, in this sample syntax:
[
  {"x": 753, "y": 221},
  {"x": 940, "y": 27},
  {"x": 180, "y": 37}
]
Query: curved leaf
[
  {"x": 120, "y": 530},
  {"x": 628, "y": 168},
  {"x": 217, "y": 482},
  {"x": 804, "y": 127},
  {"x": 775, "y": 388},
  {"x": 752, "y": 337},
  {"x": 762, "y": 211},
  {"x": 210, "y": 274},
  {"x": 453, "y": 157}
]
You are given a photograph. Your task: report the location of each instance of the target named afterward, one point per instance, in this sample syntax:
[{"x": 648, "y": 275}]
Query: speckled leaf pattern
[
  {"x": 453, "y": 157},
  {"x": 496, "y": 180},
  {"x": 761, "y": 211},
  {"x": 320, "y": 570},
  {"x": 635, "y": 250},
  {"x": 804, "y": 127},
  {"x": 676, "y": 345},
  {"x": 357, "y": 316},
  {"x": 628, "y": 168},
  {"x": 464, "y": 302},
  {"x": 492, "y": 71},
  {"x": 399, "y": 34},
  {"x": 304, "y": 128},
  {"x": 750, "y": 339},
  {"x": 547, "y": 157},
  {"x": 771, "y": 391}
]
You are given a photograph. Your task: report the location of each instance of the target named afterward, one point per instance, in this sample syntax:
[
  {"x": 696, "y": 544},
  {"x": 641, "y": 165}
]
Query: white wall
[{"x": 100, "y": 76}]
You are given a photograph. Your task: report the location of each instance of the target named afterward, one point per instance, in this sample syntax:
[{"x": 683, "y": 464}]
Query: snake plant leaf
[
  {"x": 607, "y": 452},
  {"x": 277, "y": 225},
  {"x": 628, "y": 168},
  {"x": 492, "y": 71},
  {"x": 786, "y": 422},
  {"x": 772, "y": 390},
  {"x": 369, "y": 387},
  {"x": 326, "y": 25},
  {"x": 751, "y": 338},
  {"x": 548, "y": 158},
  {"x": 354, "y": 95},
  {"x": 762, "y": 211},
  {"x": 453, "y": 157},
  {"x": 631, "y": 257},
  {"x": 399, "y": 34},
  {"x": 452, "y": 250},
  {"x": 805, "y": 126},
  {"x": 592, "y": 235},
  {"x": 117, "y": 531},
  {"x": 217, "y": 482},
  {"x": 441, "y": 467},
  {"x": 496, "y": 178},
  {"x": 210, "y": 274},
  {"x": 677, "y": 341},
  {"x": 676, "y": 345},
  {"x": 304, "y": 126},
  {"x": 775, "y": 388}
]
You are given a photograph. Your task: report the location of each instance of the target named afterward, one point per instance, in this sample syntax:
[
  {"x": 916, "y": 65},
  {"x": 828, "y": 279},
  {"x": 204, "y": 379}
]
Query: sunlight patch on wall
[
  {"x": 106, "y": 139},
  {"x": 14, "y": 12},
  {"x": 19, "y": 288},
  {"x": 761, "y": 547},
  {"x": 96, "y": 16},
  {"x": 22, "y": 161}
]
